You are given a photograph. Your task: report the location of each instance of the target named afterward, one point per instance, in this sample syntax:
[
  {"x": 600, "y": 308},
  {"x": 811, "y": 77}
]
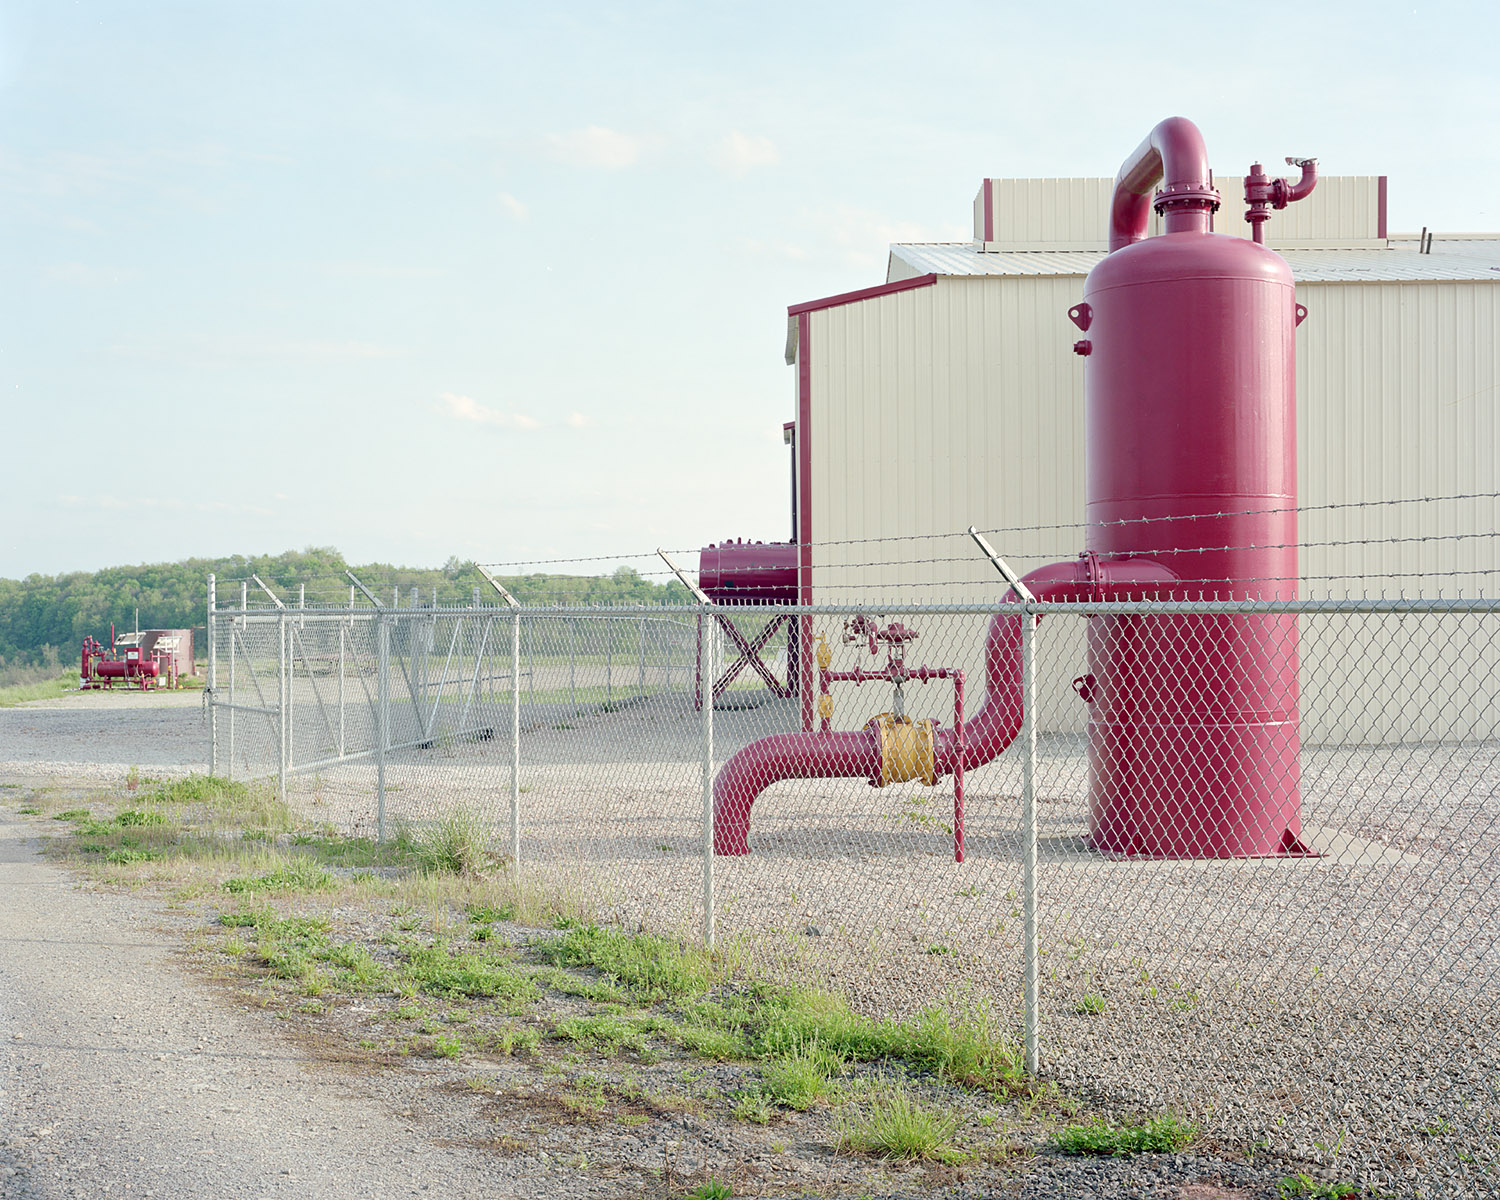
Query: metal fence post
[
  {"x": 341, "y": 686},
  {"x": 382, "y": 717},
  {"x": 706, "y": 642},
  {"x": 572, "y": 663},
  {"x": 515, "y": 742},
  {"x": 1030, "y": 953},
  {"x": 213, "y": 676},
  {"x": 282, "y": 706},
  {"x": 641, "y": 686},
  {"x": 1031, "y": 966}
]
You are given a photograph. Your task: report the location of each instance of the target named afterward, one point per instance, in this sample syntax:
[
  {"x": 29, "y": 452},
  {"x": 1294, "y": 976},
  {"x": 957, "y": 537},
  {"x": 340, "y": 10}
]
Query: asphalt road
[{"x": 121, "y": 1074}]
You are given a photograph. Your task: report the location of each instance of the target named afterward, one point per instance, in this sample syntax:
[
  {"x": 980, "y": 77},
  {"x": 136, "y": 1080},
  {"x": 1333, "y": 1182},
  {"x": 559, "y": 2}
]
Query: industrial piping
[
  {"x": 855, "y": 754},
  {"x": 1190, "y": 426}
]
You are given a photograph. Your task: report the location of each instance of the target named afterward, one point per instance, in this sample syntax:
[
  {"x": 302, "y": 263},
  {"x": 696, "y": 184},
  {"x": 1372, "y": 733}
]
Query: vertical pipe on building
[
  {"x": 706, "y": 678},
  {"x": 213, "y": 675},
  {"x": 1031, "y": 965}
]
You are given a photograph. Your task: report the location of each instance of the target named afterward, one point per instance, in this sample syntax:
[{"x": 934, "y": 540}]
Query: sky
[{"x": 508, "y": 282}]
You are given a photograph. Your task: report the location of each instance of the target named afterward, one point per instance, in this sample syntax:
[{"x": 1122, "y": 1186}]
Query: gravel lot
[{"x": 1337, "y": 1012}]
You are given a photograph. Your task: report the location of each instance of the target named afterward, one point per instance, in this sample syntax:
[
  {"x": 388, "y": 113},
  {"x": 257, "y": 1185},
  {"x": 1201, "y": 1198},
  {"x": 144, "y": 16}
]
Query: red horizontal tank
[{"x": 741, "y": 572}]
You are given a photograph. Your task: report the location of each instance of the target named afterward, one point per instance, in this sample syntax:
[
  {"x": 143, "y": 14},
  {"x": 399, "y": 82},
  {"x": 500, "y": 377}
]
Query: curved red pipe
[
  {"x": 1173, "y": 154},
  {"x": 855, "y": 753}
]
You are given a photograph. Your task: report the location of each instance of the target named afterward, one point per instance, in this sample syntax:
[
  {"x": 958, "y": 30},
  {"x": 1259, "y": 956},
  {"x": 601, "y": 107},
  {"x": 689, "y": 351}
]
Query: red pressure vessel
[{"x": 1190, "y": 431}]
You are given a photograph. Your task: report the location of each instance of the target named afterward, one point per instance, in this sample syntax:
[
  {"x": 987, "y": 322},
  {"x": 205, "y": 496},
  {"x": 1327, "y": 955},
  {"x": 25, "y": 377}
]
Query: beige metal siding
[
  {"x": 1343, "y": 210},
  {"x": 959, "y": 403},
  {"x": 1073, "y": 214},
  {"x": 1397, "y": 386},
  {"x": 933, "y": 409}
]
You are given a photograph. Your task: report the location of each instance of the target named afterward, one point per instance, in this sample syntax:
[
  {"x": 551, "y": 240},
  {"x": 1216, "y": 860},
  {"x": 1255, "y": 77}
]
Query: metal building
[{"x": 949, "y": 396}]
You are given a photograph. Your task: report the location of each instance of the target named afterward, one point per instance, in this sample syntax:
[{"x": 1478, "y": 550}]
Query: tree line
[{"x": 44, "y": 619}]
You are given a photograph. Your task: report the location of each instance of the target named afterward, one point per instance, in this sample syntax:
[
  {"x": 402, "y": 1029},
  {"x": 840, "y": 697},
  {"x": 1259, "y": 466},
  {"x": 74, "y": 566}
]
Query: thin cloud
[
  {"x": 596, "y": 146},
  {"x": 861, "y": 236},
  {"x": 579, "y": 421},
  {"x": 465, "y": 408},
  {"x": 740, "y": 153},
  {"x": 112, "y": 503},
  {"x": 513, "y": 206}
]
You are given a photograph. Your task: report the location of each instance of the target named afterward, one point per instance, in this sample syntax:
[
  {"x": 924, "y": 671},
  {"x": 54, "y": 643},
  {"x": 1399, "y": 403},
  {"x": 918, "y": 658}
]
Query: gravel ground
[{"x": 1337, "y": 1012}]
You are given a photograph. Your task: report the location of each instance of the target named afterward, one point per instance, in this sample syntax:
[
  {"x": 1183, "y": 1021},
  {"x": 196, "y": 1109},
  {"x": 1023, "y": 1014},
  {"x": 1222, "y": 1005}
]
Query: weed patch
[
  {"x": 1156, "y": 1135},
  {"x": 297, "y": 874},
  {"x": 891, "y": 1124}
]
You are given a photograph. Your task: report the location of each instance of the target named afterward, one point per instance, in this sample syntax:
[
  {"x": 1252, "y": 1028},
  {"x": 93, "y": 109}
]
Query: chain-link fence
[{"x": 1236, "y": 859}]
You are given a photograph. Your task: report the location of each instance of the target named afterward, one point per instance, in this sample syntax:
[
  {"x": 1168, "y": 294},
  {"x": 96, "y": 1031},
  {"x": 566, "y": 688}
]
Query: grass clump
[
  {"x": 1305, "y": 1185},
  {"x": 1155, "y": 1135},
  {"x": 438, "y": 971},
  {"x": 968, "y": 1048},
  {"x": 140, "y": 816},
  {"x": 296, "y": 874},
  {"x": 455, "y": 844},
  {"x": 893, "y": 1125},
  {"x": 801, "y": 1076},
  {"x": 606, "y": 1034},
  {"x": 650, "y": 968}
]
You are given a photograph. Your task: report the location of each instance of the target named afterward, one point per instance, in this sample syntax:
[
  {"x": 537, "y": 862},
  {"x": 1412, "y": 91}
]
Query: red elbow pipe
[
  {"x": 1174, "y": 155},
  {"x": 855, "y": 754}
]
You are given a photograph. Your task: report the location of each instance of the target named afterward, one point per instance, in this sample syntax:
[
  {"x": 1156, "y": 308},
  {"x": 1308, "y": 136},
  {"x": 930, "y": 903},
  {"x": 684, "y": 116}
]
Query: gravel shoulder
[{"x": 125, "y": 1075}]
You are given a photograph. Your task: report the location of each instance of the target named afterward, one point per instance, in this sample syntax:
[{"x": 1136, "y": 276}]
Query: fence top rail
[{"x": 1095, "y": 608}]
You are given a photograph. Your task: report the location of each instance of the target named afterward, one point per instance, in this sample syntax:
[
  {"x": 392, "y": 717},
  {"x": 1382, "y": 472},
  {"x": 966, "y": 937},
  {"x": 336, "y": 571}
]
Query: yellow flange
[
  {"x": 907, "y": 749},
  {"x": 825, "y": 653},
  {"x": 825, "y": 707}
]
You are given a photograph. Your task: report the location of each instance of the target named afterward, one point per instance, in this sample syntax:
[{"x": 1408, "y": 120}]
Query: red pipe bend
[
  {"x": 854, "y": 754},
  {"x": 1174, "y": 155}
]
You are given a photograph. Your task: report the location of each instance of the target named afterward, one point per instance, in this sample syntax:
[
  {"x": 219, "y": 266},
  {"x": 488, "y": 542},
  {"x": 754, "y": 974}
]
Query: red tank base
[
  {"x": 1292, "y": 846},
  {"x": 1238, "y": 796}
]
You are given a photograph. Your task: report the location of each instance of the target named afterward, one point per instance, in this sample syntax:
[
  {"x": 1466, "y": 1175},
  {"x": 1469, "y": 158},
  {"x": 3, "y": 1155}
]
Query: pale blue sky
[{"x": 509, "y": 281}]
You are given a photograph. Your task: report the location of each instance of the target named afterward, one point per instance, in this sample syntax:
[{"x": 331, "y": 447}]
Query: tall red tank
[
  {"x": 1190, "y": 418},
  {"x": 1190, "y": 428}
]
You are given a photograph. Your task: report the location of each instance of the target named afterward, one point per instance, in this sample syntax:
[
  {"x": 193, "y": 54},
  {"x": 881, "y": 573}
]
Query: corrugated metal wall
[
  {"x": 1397, "y": 385},
  {"x": 960, "y": 403},
  {"x": 934, "y": 409},
  {"x": 1343, "y": 210},
  {"x": 1073, "y": 214}
]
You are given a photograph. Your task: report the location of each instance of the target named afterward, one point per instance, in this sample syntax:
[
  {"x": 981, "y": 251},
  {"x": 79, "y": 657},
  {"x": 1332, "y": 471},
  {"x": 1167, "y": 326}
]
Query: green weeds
[
  {"x": 1155, "y": 1135},
  {"x": 891, "y": 1124},
  {"x": 296, "y": 874},
  {"x": 1306, "y": 1185}
]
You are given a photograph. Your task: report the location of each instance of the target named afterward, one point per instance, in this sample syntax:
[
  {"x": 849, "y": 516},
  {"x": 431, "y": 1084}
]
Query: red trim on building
[
  {"x": 989, "y": 210},
  {"x": 804, "y": 511},
  {"x": 1380, "y": 218},
  {"x": 869, "y": 293}
]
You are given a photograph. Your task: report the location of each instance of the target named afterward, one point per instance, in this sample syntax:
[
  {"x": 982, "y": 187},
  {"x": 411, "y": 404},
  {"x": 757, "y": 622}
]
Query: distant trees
[{"x": 43, "y": 619}]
